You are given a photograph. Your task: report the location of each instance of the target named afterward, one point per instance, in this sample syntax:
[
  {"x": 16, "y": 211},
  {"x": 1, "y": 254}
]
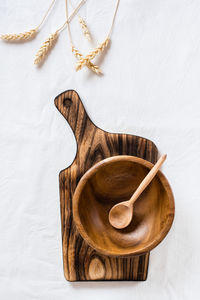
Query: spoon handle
[{"x": 145, "y": 182}]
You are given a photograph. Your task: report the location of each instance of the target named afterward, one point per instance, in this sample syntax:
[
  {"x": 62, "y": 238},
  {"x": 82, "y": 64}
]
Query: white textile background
[{"x": 151, "y": 88}]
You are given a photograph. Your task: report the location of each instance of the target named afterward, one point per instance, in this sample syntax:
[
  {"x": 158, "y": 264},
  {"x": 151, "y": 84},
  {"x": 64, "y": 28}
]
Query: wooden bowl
[{"x": 114, "y": 180}]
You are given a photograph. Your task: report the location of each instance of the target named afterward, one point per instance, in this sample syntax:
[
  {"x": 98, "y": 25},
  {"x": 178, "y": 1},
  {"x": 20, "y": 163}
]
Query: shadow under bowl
[{"x": 109, "y": 182}]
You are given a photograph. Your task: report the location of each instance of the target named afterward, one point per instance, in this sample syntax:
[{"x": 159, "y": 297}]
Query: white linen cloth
[{"x": 150, "y": 88}]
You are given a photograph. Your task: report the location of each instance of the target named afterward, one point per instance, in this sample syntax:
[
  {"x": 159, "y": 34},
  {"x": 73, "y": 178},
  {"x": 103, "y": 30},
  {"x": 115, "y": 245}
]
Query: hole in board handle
[{"x": 67, "y": 102}]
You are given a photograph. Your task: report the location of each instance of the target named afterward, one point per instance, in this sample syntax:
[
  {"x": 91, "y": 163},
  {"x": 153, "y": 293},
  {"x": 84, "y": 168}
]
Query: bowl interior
[{"x": 114, "y": 180}]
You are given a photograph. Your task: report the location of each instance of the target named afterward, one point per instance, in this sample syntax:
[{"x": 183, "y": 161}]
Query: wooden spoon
[{"x": 121, "y": 214}]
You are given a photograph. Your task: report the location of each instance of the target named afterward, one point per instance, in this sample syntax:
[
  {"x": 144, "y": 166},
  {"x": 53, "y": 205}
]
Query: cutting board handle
[{"x": 71, "y": 107}]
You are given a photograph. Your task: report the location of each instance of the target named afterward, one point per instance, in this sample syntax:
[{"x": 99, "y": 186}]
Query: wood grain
[{"x": 82, "y": 262}]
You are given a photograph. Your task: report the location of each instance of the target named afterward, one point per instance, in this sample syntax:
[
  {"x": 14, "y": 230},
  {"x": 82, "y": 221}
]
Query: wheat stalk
[
  {"x": 24, "y": 36},
  {"x": 84, "y": 60},
  {"x": 20, "y": 36},
  {"x": 85, "y": 28},
  {"x": 45, "y": 48}
]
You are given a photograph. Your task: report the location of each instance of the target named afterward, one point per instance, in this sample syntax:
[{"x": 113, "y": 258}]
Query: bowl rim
[{"x": 93, "y": 170}]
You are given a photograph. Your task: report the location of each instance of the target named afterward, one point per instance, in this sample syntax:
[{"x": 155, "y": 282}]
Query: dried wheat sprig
[
  {"x": 83, "y": 61},
  {"x": 86, "y": 60},
  {"x": 25, "y": 36},
  {"x": 50, "y": 42},
  {"x": 83, "y": 25},
  {"x": 20, "y": 36},
  {"x": 45, "y": 48},
  {"x": 89, "y": 64},
  {"x": 97, "y": 50},
  {"x": 85, "y": 29}
]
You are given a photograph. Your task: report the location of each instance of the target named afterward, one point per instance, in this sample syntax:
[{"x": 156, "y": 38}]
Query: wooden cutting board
[{"x": 81, "y": 262}]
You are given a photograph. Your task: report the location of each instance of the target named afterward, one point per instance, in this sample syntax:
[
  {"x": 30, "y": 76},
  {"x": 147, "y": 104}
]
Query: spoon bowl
[{"x": 121, "y": 215}]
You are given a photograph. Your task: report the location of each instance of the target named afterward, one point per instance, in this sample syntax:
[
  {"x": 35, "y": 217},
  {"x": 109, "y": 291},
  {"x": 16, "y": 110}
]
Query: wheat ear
[
  {"x": 85, "y": 29},
  {"x": 45, "y": 48},
  {"x": 83, "y": 61},
  {"x": 98, "y": 50},
  {"x": 20, "y": 36},
  {"x": 89, "y": 64},
  {"x": 94, "y": 68},
  {"x": 77, "y": 53}
]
